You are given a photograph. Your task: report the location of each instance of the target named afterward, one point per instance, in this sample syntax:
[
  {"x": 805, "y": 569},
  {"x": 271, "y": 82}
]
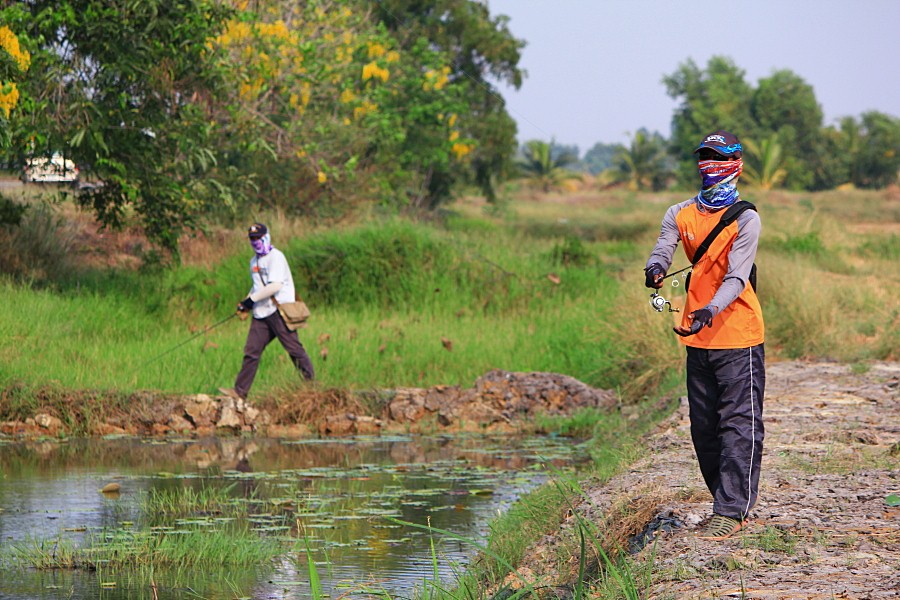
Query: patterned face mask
[
  {"x": 718, "y": 190},
  {"x": 263, "y": 245}
]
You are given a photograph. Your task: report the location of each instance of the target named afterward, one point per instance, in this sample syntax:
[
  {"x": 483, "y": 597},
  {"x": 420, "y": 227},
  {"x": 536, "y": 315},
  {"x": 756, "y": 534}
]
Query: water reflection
[{"x": 343, "y": 495}]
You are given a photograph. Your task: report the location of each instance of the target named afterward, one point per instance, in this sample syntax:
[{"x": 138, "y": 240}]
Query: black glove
[
  {"x": 654, "y": 276},
  {"x": 699, "y": 318},
  {"x": 245, "y": 304}
]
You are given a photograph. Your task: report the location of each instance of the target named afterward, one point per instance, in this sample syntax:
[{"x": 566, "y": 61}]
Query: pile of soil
[{"x": 826, "y": 524}]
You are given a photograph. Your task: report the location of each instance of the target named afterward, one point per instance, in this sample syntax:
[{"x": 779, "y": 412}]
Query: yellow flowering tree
[
  {"x": 14, "y": 63},
  {"x": 324, "y": 102}
]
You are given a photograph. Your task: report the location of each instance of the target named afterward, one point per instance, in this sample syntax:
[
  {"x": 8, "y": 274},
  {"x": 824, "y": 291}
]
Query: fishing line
[{"x": 193, "y": 337}]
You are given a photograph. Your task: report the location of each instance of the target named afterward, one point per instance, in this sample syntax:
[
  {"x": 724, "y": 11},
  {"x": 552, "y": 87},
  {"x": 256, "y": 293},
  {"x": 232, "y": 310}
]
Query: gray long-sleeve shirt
[{"x": 740, "y": 257}]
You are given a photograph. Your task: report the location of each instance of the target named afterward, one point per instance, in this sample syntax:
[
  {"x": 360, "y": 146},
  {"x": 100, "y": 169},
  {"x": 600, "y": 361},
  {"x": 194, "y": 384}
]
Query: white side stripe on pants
[{"x": 752, "y": 438}]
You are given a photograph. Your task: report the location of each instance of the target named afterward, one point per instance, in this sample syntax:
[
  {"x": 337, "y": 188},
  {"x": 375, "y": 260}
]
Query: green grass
[
  {"x": 179, "y": 527},
  {"x": 385, "y": 297}
]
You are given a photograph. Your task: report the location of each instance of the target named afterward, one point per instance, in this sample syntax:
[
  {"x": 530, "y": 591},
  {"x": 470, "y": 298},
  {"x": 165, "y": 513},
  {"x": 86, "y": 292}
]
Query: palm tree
[
  {"x": 644, "y": 163},
  {"x": 542, "y": 168},
  {"x": 762, "y": 163}
]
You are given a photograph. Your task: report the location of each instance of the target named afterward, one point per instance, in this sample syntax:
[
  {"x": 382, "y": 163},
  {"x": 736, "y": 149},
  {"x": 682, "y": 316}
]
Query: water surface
[{"x": 345, "y": 496}]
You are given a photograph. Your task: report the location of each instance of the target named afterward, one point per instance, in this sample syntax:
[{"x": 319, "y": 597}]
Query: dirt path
[{"x": 822, "y": 527}]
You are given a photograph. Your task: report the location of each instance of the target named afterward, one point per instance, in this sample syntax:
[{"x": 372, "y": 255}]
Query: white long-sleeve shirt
[{"x": 271, "y": 278}]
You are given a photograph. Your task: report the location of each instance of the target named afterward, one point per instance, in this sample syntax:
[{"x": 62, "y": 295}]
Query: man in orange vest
[{"x": 722, "y": 329}]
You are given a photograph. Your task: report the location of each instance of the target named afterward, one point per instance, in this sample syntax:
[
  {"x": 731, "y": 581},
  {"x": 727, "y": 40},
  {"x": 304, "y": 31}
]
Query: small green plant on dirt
[{"x": 771, "y": 539}]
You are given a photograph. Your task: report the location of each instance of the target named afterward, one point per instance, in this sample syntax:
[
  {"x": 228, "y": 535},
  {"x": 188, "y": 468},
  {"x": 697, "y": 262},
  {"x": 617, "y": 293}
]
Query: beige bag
[{"x": 295, "y": 314}]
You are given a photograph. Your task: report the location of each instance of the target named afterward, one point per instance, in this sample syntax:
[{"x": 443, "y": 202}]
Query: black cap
[
  {"x": 257, "y": 230},
  {"x": 723, "y": 142}
]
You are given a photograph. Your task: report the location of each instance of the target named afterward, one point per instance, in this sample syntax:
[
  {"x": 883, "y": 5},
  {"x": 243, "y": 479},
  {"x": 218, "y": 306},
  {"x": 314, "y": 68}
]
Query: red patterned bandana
[{"x": 718, "y": 190}]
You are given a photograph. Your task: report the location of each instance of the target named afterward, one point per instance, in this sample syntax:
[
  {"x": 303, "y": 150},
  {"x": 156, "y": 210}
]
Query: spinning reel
[{"x": 659, "y": 303}]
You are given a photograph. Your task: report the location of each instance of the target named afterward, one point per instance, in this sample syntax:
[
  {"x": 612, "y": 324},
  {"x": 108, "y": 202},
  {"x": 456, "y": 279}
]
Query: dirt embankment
[
  {"x": 499, "y": 401},
  {"x": 826, "y": 525}
]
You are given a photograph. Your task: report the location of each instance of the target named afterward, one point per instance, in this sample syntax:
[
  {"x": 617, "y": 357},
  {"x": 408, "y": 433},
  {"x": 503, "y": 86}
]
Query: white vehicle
[{"x": 55, "y": 169}]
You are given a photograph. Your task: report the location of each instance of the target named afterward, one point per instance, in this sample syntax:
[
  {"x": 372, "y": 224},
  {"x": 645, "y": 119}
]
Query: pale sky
[{"x": 595, "y": 67}]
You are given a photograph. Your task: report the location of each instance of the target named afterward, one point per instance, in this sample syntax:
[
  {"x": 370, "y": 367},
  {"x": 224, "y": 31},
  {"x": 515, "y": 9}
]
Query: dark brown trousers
[{"x": 262, "y": 332}]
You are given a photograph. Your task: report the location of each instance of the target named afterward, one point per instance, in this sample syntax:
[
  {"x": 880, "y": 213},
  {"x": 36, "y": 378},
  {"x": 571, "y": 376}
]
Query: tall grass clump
[{"x": 39, "y": 245}]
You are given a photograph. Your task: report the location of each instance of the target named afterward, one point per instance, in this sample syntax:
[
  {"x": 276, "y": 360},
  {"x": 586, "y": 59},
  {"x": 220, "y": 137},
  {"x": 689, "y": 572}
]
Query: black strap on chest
[{"x": 728, "y": 217}]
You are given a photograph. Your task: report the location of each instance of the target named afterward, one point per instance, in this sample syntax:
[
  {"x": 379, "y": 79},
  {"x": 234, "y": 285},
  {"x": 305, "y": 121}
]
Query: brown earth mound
[
  {"x": 824, "y": 527},
  {"x": 500, "y": 400}
]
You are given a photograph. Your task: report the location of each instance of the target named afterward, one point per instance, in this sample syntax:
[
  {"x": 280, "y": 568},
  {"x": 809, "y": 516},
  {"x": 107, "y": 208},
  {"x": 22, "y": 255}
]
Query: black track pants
[{"x": 725, "y": 394}]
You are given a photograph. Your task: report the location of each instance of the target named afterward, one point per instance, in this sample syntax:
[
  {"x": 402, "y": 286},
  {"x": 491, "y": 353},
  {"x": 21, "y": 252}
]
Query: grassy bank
[{"x": 550, "y": 285}]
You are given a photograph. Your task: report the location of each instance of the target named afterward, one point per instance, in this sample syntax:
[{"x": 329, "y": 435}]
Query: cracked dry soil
[{"x": 823, "y": 526}]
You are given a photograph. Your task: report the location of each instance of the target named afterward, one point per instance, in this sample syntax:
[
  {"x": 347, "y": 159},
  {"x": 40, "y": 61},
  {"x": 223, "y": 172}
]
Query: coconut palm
[
  {"x": 644, "y": 163},
  {"x": 762, "y": 163},
  {"x": 542, "y": 168}
]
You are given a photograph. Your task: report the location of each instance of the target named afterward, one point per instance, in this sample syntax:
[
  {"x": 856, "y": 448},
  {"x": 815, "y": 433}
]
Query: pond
[{"x": 358, "y": 508}]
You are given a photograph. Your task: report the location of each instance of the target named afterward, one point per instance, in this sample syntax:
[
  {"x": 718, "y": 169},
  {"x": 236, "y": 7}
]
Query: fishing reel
[{"x": 660, "y": 304}]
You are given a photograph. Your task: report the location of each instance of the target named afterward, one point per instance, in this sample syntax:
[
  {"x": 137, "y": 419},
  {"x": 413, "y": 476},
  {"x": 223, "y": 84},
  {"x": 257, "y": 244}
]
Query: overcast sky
[{"x": 595, "y": 67}]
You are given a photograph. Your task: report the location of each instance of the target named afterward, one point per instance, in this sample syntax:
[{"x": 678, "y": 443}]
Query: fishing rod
[{"x": 193, "y": 337}]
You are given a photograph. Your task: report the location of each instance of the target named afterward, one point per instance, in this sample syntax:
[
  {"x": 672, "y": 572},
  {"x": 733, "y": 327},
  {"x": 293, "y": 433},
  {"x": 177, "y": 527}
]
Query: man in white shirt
[{"x": 272, "y": 282}]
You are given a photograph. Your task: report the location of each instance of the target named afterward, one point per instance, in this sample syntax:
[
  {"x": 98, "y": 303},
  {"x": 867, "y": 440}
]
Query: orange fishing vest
[{"x": 740, "y": 325}]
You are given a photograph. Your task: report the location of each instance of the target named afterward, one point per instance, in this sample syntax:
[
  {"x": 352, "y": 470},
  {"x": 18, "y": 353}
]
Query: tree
[
  {"x": 121, "y": 88},
  {"x": 601, "y": 157},
  {"x": 878, "y": 158},
  {"x": 784, "y": 104},
  {"x": 714, "y": 98},
  {"x": 325, "y": 102},
  {"x": 14, "y": 63},
  {"x": 644, "y": 163},
  {"x": 762, "y": 163},
  {"x": 864, "y": 152},
  {"x": 481, "y": 50},
  {"x": 544, "y": 168}
]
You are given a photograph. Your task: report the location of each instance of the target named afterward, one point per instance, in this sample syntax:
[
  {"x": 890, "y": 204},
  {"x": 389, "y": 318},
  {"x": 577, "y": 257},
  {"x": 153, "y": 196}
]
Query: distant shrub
[
  {"x": 39, "y": 246},
  {"x": 807, "y": 243},
  {"x": 571, "y": 252}
]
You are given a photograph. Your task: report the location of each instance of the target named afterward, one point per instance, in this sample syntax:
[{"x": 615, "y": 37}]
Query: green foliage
[
  {"x": 601, "y": 157},
  {"x": 571, "y": 251},
  {"x": 762, "y": 163},
  {"x": 543, "y": 167},
  {"x": 785, "y": 105},
  {"x": 863, "y": 152},
  {"x": 713, "y": 98},
  {"x": 37, "y": 245},
  {"x": 481, "y": 50},
  {"x": 809, "y": 243},
  {"x": 334, "y": 110},
  {"x": 644, "y": 163},
  {"x": 877, "y": 162},
  {"x": 10, "y": 212},
  {"x": 118, "y": 88}
]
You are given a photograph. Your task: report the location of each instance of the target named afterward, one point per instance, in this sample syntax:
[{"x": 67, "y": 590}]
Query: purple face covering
[{"x": 263, "y": 245}]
